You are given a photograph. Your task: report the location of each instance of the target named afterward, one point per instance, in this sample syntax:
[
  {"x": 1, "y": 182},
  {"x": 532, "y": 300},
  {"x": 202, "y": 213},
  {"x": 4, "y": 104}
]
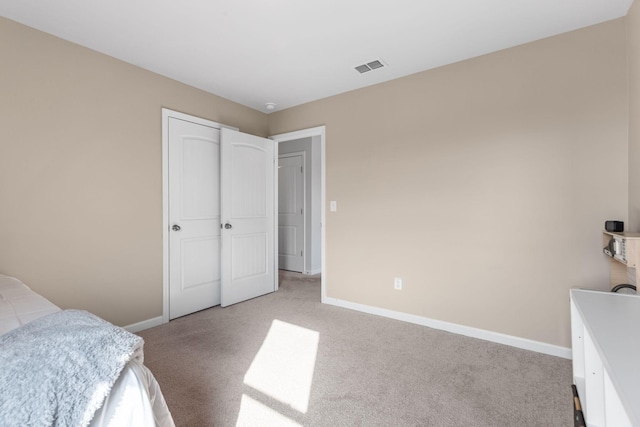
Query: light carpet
[{"x": 286, "y": 359}]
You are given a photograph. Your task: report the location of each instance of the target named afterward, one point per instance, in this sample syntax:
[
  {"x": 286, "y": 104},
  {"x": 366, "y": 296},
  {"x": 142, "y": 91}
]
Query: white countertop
[{"x": 613, "y": 322}]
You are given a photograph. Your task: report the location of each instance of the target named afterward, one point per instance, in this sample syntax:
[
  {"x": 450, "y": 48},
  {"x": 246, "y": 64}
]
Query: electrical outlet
[{"x": 397, "y": 283}]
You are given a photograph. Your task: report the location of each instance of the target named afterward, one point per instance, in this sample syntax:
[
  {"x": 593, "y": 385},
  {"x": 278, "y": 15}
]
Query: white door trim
[
  {"x": 320, "y": 132},
  {"x": 166, "y": 113}
]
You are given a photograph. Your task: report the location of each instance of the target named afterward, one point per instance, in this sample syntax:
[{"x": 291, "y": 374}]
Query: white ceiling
[{"x": 290, "y": 52}]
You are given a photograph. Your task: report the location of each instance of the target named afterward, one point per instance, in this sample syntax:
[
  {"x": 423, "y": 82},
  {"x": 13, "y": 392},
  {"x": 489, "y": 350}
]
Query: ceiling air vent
[{"x": 370, "y": 66}]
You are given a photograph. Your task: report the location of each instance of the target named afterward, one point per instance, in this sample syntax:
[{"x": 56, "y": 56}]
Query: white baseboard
[
  {"x": 145, "y": 324},
  {"x": 313, "y": 272},
  {"x": 524, "y": 343}
]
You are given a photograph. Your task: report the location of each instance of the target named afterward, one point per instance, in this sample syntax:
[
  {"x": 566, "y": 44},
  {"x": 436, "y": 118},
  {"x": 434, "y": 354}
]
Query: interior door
[
  {"x": 248, "y": 216},
  {"x": 194, "y": 217},
  {"x": 291, "y": 212}
]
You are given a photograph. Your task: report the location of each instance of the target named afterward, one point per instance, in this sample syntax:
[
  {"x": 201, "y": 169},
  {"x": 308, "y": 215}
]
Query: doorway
[{"x": 312, "y": 139}]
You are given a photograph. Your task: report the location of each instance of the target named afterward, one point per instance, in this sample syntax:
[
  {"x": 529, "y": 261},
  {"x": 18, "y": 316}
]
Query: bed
[{"x": 69, "y": 367}]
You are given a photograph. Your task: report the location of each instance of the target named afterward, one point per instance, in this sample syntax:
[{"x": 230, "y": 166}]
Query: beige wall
[
  {"x": 484, "y": 184},
  {"x": 633, "y": 50},
  {"x": 80, "y": 172}
]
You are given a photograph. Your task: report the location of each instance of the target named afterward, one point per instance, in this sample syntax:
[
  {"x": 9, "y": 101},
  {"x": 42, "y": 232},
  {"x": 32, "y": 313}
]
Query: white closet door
[
  {"x": 194, "y": 217},
  {"x": 248, "y": 216}
]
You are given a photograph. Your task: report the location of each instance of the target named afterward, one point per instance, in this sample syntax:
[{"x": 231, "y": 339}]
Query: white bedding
[
  {"x": 135, "y": 399},
  {"x": 20, "y": 305}
]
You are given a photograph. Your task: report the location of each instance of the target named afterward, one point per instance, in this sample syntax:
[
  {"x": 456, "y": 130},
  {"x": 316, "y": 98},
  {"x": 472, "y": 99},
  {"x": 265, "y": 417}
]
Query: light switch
[{"x": 333, "y": 206}]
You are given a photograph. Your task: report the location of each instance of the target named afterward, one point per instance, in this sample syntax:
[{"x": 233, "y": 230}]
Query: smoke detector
[{"x": 370, "y": 66}]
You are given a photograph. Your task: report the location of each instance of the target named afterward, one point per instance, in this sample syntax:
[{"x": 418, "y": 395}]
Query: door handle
[
  {"x": 176, "y": 227},
  {"x": 228, "y": 226}
]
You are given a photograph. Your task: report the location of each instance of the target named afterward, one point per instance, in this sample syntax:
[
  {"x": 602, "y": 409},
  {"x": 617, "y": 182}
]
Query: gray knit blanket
[{"x": 58, "y": 369}]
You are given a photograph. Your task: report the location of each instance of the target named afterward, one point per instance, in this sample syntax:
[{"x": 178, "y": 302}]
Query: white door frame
[
  {"x": 318, "y": 131},
  {"x": 166, "y": 113}
]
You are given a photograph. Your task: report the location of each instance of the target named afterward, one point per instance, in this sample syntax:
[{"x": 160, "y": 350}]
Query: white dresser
[{"x": 605, "y": 329}]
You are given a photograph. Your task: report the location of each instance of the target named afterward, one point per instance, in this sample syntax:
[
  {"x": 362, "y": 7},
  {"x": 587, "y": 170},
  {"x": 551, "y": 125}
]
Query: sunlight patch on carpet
[
  {"x": 254, "y": 413},
  {"x": 283, "y": 367}
]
